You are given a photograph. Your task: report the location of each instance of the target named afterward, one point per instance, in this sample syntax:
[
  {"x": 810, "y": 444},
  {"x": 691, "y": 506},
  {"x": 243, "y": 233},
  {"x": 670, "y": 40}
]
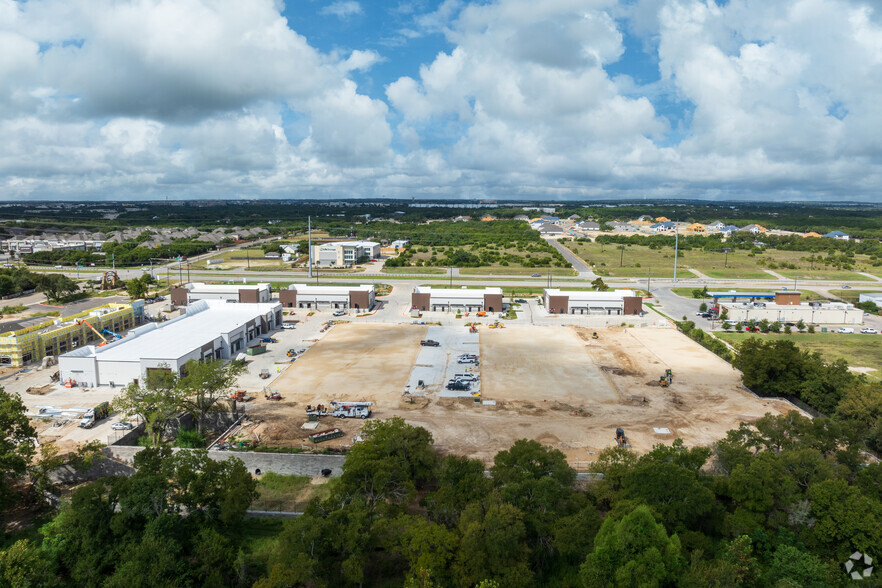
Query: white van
[{"x": 845, "y": 330}]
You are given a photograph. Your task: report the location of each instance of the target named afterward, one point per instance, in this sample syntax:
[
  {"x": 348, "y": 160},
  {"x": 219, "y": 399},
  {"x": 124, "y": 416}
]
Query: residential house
[
  {"x": 695, "y": 228},
  {"x": 662, "y": 219},
  {"x": 488, "y": 218},
  {"x": 588, "y": 226},
  {"x": 811, "y": 234},
  {"x": 715, "y": 226},
  {"x": 549, "y": 229},
  {"x": 663, "y": 227},
  {"x": 755, "y": 229}
]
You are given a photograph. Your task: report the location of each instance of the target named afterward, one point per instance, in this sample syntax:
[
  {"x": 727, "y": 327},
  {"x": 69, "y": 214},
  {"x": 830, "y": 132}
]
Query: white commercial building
[
  {"x": 838, "y": 313},
  {"x": 871, "y": 297},
  {"x": 210, "y": 329},
  {"x": 426, "y": 298},
  {"x": 188, "y": 293},
  {"x": 361, "y": 297},
  {"x": 609, "y": 302},
  {"x": 344, "y": 253}
]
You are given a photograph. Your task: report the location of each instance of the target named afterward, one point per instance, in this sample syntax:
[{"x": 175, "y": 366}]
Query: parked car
[
  {"x": 465, "y": 360},
  {"x": 869, "y": 331},
  {"x": 287, "y": 325},
  {"x": 458, "y": 385},
  {"x": 521, "y": 301},
  {"x": 429, "y": 343},
  {"x": 845, "y": 330},
  {"x": 466, "y": 377},
  {"x": 122, "y": 426},
  {"x": 536, "y": 276},
  {"x": 339, "y": 312}
]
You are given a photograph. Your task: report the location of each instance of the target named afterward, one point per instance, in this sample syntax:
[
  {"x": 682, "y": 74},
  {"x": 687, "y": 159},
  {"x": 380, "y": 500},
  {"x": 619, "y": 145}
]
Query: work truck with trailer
[{"x": 93, "y": 415}]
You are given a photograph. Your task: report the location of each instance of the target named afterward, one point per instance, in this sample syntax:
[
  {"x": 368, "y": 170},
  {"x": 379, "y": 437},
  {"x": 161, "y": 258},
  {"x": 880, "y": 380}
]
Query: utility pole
[
  {"x": 180, "y": 270},
  {"x": 188, "y": 271},
  {"x": 676, "y": 247},
  {"x": 649, "y": 281},
  {"x": 113, "y": 260},
  {"x": 309, "y": 241},
  {"x": 622, "y": 258}
]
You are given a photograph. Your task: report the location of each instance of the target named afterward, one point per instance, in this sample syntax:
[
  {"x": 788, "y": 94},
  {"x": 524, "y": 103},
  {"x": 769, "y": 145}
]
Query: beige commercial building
[
  {"x": 610, "y": 302},
  {"x": 787, "y": 307},
  {"x": 425, "y": 298},
  {"x": 188, "y": 293},
  {"x": 361, "y": 297}
]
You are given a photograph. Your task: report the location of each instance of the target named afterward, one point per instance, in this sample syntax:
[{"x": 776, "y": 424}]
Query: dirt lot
[{"x": 553, "y": 384}]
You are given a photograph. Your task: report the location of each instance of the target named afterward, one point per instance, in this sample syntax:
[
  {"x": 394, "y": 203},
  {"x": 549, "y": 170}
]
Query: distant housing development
[{"x": 210, "y": 329}]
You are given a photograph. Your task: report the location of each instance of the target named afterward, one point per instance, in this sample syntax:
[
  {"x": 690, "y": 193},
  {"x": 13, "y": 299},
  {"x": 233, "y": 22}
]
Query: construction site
[{"x": 567, "y": 387}]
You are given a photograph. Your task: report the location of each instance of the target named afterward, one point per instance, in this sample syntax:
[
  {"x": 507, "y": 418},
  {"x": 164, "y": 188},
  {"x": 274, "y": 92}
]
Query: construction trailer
[{"x": 30, "y": 340}]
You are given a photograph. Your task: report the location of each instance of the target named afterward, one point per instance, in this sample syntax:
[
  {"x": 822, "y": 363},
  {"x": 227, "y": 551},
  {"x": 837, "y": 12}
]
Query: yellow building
[
  {"x": 811, "y": 234},
  {"x": 488, "y": 217},
  {"x": 695, "y": 228},
  {"x": 662, "y": 219},
  {"x": 54, "y": 336}
]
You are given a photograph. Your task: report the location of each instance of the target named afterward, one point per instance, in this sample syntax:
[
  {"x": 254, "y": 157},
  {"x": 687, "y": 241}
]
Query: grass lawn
[
  {"x": 824, "y": 275},
  {"x": 807, "y": 295},
  {"x": 413, "y": 270},
  {"x": 852, "y": 295},
  {"x": 287, "y": 493},
  {"x": 516, "y": 291},
  {"x": 858, "y": 350},
  {"x": 499, "y": 270},
  {"x": 609, "y": 259}
]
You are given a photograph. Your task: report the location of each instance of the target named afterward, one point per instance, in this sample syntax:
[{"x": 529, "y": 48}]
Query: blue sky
[{"x": 566, "y": 99}]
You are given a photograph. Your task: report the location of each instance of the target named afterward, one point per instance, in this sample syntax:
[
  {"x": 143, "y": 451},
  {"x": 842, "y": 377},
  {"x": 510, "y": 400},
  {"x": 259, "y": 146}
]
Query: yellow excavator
[
  {"x": 621, "y": 439},
  {"x": 667, "y": 379}
]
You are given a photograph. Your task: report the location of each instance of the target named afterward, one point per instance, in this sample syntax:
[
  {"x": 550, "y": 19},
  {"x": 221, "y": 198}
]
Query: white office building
[
  {"x": 210, "y": 329},
  {"x": 361, "y": 297},
  {"x": 426, "y": 298},
  {"x": 189, "y": 293},
  {"x": 344, "y": 253}
]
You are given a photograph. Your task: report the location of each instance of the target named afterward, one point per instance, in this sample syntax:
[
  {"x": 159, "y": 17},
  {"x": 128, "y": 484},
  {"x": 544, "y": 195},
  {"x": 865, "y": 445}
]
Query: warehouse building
[
  {"x": 344, "y": 253},
  {"x": 188, "y": 293},
  {"x": 426, "y": 298},
  {"x": 337, "y": 297},
  {"x": 787, "y": 307},
  {"x": 30, "y": 340},
  {"x": 871, "y": 297},
  {"x": 210, "y": 329},
  {"x": 610, "y": 302}
]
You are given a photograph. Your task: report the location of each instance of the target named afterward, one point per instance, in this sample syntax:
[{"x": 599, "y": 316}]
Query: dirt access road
[{"x": 553, "y": 384}]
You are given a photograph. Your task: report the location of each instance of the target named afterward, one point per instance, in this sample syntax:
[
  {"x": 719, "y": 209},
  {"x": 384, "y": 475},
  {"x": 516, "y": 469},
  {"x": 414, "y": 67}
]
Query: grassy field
[
  {"x": 525, "y": 290},
  {"x": 635, "y": 261},
  {"x": 413, "y": 270},
  {"x": 858, "y": 350},
  {"x": 852, "y": 295},
  {"x": 498, "y": 270},
  {"x": 514, "y": 263},
  {"x": 287, "y": 493},
  {"x": 807, "y": 295}
]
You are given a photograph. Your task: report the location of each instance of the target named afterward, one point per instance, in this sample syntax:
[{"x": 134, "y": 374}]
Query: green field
[
  {"x": 498, "y": 270},
  {"x": 413, "y": 270},
  {"x": 496, "y": 260},
  {"x": 852, "y": 296},
  {"x": 636, "y": 260},
  {"x": 858, "y": 350},
  {"x": 807, "y": 295},
  {"x": 516, "y": 291}
]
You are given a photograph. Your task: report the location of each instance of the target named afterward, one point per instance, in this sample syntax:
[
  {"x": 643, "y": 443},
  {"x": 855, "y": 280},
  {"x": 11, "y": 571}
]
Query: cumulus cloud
[
  {"x": 194, "y": 98},
  {"x": 342, "y": 8}
]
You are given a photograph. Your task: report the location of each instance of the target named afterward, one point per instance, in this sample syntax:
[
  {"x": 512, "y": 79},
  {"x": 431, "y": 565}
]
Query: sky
[{"x": 504, "y": 99}]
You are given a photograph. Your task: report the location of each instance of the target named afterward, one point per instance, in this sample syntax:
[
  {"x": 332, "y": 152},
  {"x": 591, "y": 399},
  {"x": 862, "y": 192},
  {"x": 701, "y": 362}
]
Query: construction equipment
[
  {"x": 621, "y": 439},
  {"x": 314, "y": 412},
  {"x": 93, "y": 415},
  {"x": 326, "y": 435},
  {"x": 667, "y": 379},
  {"x": 109, "y": 332},
  {"x": 594, "y": 335},
  {"x": 473, "y": 329},
  {"x": 97, "y": 332},
  {"x": 341, "y": 409},
  {"x": 241, "y": 396},
  {"x": 271, "y": 394},
  {"x": 292, "y": 352},
  {"x": 481, "y": 313},
  {"x": 264, "y": 374},
  {"x": 497, "y": 325}
]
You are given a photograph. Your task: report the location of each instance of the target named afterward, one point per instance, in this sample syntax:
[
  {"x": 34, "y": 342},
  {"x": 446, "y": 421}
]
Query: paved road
[{"x": 579, "y": 265}]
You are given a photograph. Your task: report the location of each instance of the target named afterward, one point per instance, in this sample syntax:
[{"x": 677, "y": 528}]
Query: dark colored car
[
  {"x": 459, "y": 385},
  {"x": 429, "y": 343}
]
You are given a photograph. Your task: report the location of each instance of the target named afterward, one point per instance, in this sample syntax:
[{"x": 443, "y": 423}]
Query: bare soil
[{"x": 553, "y": 384}]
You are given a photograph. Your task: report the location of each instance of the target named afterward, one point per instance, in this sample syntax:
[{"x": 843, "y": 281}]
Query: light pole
[{"x": 676, "y": 248}]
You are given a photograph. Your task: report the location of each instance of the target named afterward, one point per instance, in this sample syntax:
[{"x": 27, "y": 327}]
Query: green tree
[
  {"x": 702, "y": 307},
  {"x": 56, "y": 286},
  {"x": 492, "y": 545},
  {"x": 460, "y": 482},
  {"x": 23, "y": 566},
  {"x": 157, "y": 402},
  {"x": 16, "y": 443},
  {"x": 205, "y": 384},
  {"x": 137, "y": 287},
  {"x": 846, "y": 520},
  {"x": 800, "y": 325},
  {"x": 799, "y": 568},
  {"x": 599, "y": 285},
  {"x": 393, "y": 459},
  {"x": 633, "y": 551}
]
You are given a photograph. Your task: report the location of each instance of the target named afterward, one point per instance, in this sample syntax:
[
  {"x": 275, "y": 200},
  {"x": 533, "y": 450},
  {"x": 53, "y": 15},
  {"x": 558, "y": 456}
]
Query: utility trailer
[
  {"x": 326, "y": 435},
  {"x": 340, "y": 409}
]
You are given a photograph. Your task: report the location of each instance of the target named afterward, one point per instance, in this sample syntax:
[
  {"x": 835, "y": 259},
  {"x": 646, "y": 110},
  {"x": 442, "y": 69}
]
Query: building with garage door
[
  {"x": 610, "y": 302},
  {"x": 344, "y": 253},
  {"x": 254, "y": 293},
  {"x": 328, "y": 297},
  {"x": 210, "y": 329},
  {"x": 426, "y": 298}
]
